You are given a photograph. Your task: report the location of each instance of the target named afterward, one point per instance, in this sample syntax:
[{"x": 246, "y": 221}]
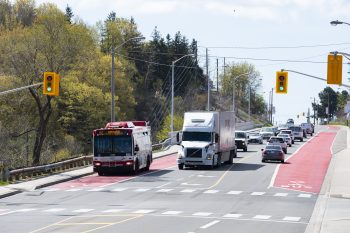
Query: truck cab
[{"x": 241, "y": 140}]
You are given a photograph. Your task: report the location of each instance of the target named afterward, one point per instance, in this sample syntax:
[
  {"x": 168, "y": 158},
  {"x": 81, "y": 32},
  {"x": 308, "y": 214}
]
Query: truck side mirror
[
  {"x": 216, "y": 137},
  {"x": 137, "y": 148},
  {"x": 89, "y": 141}
]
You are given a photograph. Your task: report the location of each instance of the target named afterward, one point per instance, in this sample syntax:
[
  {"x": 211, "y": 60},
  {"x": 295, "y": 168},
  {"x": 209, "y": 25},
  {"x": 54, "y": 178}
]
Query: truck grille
[{"x": 194, "y": 153}]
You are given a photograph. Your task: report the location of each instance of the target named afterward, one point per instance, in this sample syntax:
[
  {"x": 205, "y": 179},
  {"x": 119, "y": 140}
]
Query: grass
[{"x": 3, "y": 183}]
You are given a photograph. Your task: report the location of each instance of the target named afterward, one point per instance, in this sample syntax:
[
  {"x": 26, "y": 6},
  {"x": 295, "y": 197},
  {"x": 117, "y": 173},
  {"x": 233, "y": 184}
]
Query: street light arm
[
  {"x": 133, "y": 38},
  {"x": 187, "y": 55}
]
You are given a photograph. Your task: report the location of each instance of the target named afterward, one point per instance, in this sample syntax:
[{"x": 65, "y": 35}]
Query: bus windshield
[
  {"x": 112, "y": 144},
  {"x": 196, "y": 136}
]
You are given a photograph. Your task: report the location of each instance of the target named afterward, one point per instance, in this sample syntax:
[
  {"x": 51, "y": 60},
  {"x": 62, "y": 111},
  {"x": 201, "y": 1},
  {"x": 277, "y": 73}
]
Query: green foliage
[{"x": 164, "y": 132}]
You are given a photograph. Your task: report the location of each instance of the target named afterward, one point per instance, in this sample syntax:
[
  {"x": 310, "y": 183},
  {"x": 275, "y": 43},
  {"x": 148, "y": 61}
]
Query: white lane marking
[
  {"x": 25, "y": 210},
  {"x": 54, "y": 210},
  {"x": 292, "y": 219},
  {"x": 305, "y": 195},
  {"x": 188, "y": 190},
  {"x": 202, "y": 214},
  {"x": 73, "y": 190},
  {"x": 278, "y": 166},
  {"x": 264, "y": 217},
  {"x": 163, "y": 185},
  {"x": 164, "y": 190},
  {"x": 257, "y": 193},
  {"x": 172, "y": 212},
  {"x": 211, "y": 191},
  {"x": 113, "y": 210},
  {"x": 142, "y": 190},
  {"x": 187, "y": 184},
  {"x": 232, "y": 216},
  {"x": 119, "y": 189},
  {"x": 143, "y": 211},
  {"x": 3, "y": 210},
  {"x": 203, "y": 176},
  {"x": 95, "y": 190},
  {"x": 281, "y": 194},
  {"x": 235, "y": 192},
  {"x": 83, "y": 210},
  {"x": 210, "y": 224}
]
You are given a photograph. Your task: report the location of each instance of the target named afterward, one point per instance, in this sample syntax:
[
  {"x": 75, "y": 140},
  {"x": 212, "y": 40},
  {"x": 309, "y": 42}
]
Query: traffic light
[
  {"x": 281, "y": 82},
  {"x": 51, "y": 85},
  {"x": 334, "y": 69}
]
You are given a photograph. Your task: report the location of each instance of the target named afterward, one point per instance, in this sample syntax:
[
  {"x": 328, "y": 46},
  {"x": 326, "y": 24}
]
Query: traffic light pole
[{"x": 20, "y": 89}]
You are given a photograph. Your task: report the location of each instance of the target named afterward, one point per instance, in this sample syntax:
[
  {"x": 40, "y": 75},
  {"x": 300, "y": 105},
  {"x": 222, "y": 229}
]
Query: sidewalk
[
  {"x": 13, "y": 189},
  {"x": 332, "y": 209}
]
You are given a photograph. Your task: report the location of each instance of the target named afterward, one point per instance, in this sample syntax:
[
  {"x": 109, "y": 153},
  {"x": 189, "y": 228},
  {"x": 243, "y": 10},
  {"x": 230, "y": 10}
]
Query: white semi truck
[{"x": 208, "y": 139}]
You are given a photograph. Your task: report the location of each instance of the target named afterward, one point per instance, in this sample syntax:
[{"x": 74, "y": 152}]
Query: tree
[
  {"x": 69, "y": 14},
  {"x": 328, "y": 99}
]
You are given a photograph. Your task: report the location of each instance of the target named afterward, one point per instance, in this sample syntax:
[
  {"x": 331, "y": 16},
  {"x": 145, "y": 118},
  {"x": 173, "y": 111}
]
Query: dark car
[
  {"x": 272, "y": 152},
  {"x": 241, "y": 140}
]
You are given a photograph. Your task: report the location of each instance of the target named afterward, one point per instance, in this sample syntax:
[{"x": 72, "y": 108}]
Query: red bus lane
[
  {"x": 100, "y": 181},
  {"x": 306, "y": 169}
]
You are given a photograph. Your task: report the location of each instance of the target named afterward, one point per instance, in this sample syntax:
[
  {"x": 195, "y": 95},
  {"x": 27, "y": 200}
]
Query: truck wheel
[
  {"x": 230, "y": 160},
  {"x": 245, "y": 149},
  {"x": 302, "y": 139},
  {"x": 218, "y": 162},
  {"x": 135, "y": 168},
  {"x": 148, "y": 164},
  {"x": 180, "y": 166}
]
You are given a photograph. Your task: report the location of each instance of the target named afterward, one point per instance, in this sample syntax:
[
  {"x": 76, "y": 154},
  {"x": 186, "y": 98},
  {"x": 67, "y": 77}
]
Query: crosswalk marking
[
  {"x": 164, "y": 190},
  {"x": 172, "y": 212},
  {"x": 304, "y": 195},
  {"x": 188, "y": 191},
  {"x": 142, "y": 190},
  {"x": 211, "y": 191},
  {"x": 235, "y": 192},
  {"x": 257, "y": 193},
  {"x": 202, "y": 214},
  {"x": 292, "y": 219},
  {"x": 281, "y": 194},
  {"x": 264, "y": 217},
  {"x": 82, "y": 210},
  {"x": 143, "y": 211},
  {"x": 54, "y": 210},
  {"x": 113, "y": 210},
  {"x": 232, "y": 215},
  {"x": 119, "y": 189}
]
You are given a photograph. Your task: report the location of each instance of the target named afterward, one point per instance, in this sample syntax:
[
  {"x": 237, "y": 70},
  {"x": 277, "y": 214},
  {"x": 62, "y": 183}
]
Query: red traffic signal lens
[
  {"x": 281, "y": 78},
  {"x": 49, "y": 78}
]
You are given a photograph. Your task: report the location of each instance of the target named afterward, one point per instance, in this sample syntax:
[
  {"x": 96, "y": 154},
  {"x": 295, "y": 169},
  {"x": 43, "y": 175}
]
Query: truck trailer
[{"x": 208, "y": 139}]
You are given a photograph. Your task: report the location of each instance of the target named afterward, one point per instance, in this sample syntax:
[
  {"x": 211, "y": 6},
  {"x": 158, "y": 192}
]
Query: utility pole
[
  {"x": 271, "y": 105},
  {"x": 217, "y": 75},
  {"x": 314, "y": 111},
  {"x": 207, "y": 71},
  {"x": 224, "y": 66},
  {"x": 113, "y": 88}
]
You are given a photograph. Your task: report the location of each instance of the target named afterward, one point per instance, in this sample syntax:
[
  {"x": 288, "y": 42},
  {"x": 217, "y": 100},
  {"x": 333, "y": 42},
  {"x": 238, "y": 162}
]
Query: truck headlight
[{"x": 209, "y": 157}]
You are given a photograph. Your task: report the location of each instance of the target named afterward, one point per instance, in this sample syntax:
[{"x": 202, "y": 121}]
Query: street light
[
  {"x": 172, "y": 90},
  {"x": 336, "y": 22},
  {"x": 113, "y": 74}
]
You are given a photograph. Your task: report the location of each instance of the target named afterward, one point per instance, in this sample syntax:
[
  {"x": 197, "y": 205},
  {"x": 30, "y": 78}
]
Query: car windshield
[
  {"x": 283, "y": 135},
  {"x": 266, "y": 130},
  {"x": 296, "y": 129},
  {"x": 276, "y": 140},
  {"x": 112, "y": 144},
  {"x": 286, "y": 131},
  {"x": 240, "y": 135},
  {"x": 196, "y": 136}
]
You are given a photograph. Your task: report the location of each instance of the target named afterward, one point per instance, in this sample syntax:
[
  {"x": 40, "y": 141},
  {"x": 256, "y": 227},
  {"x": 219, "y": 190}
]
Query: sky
[{"x": 249, "y": 30}]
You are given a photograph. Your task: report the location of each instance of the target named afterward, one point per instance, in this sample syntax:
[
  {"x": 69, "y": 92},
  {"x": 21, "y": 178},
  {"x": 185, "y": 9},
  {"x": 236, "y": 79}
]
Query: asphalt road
[{"x": 236, "y": 198}]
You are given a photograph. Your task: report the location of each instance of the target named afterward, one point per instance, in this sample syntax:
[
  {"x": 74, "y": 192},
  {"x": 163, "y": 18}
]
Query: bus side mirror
[{"x": 137, "y": 148}]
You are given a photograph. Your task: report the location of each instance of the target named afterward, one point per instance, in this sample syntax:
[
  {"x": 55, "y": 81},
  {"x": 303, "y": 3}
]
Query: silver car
[
  {"x": 286, "y": 138},
  {"x": 278, "y": 141},
  {"x": 288, "y": 131},
  {"x": 266, "y": 132}
]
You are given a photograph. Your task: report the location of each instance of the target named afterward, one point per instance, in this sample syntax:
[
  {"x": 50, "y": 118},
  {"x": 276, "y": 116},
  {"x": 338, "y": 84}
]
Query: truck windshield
[
  {"x": 112, "y": 144},
  {"x": 240, "y": 135},
  {"x": 196, "y": 136}
]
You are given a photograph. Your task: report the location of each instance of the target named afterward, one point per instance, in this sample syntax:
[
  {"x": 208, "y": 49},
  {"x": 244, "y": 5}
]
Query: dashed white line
[
  {"x": 164, "y": 190},
  {"x": 204, "y": 214},
  {"x": 96, "y": 190},
  {"x": 51, "y": 189},
  {"x": 257, "y": 193},
  {"x": 119, "y": 189},
  {"x": 188, "y": 191},
  {"x": 25, "y": 210},
  {"x": 232, "y": 215},
  {"x": 142, "y": 190},
  {"x": 54, "y": 210},
  {"x": 113, "y": 210},
  {"x": 211, "y": 191},
  {"x": 73, "y": 190},
  {"x": 305, "y": 195},
  {"x": 263, "y": 217},
  {"x": 172, "y": 212},
  {"x": 82, "y": 210},
  {"x": 209, "y": 224},
  {"x": 281, "y": 194},
  {"x": 143, "y": 211},
  {"x": 235, "y": 192},
  {"x": 292, "y": 219}
]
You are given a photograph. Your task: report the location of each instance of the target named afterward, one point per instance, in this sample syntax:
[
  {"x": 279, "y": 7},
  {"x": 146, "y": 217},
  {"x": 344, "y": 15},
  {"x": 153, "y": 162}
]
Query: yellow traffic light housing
[
  {"x": 281, "y": 82},
  {"x": 51, "y": 85},
  {"x": 334, "y": 69}
]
